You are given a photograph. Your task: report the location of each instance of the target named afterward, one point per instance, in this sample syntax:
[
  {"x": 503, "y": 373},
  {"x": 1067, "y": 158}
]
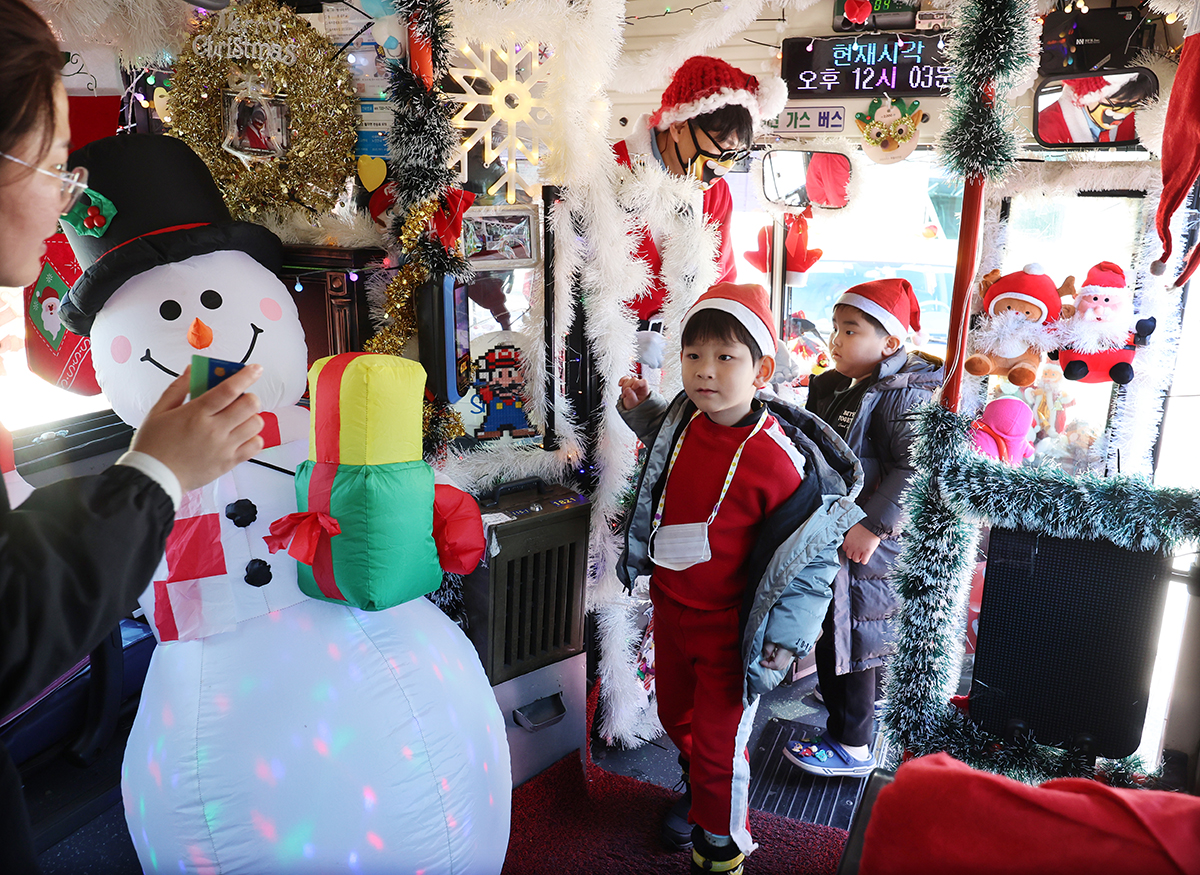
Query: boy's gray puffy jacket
[
  {"x": 794, "y": 561},
  {"x": 864, "y": 601}
]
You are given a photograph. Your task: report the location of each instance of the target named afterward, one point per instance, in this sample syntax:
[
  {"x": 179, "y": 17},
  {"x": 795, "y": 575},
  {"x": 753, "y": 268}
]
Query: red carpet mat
[{"x": 564, "y": 824}]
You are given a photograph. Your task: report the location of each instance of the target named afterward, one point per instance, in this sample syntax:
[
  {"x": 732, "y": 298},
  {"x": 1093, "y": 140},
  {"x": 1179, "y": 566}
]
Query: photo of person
[
  {"x": 256, "y": 128},
  {"x": 1093, "y": 109}
]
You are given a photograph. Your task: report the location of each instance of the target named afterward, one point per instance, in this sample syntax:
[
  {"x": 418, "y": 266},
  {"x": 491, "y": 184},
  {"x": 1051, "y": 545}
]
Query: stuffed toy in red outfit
[
  {"x": 1013, "y": 333},
  {"x": 1098, "y": 334},
  {"x": 1002, "y": 430}
]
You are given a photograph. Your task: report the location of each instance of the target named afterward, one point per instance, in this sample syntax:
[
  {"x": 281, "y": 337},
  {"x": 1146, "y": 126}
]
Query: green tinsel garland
[
  {"x": 993, "y": 45},
  {"x": 954, "y": 489},
  {"x": 423, "y": 141}
]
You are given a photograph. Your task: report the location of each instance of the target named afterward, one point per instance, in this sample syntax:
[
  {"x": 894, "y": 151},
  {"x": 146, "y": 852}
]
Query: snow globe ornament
[{"x": 276, "y": 733}]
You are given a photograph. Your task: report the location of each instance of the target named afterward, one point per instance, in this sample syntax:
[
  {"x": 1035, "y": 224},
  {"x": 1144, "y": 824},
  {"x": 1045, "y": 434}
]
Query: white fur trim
[
  {"x": 772, "y": 96},
  {"x": 743, "y": 314},
  {"x": 725, "y": 97},
  {"x": 1020, "y": 296},
  {"x": 739, "y": 797},
  {"x": 887, "y": 318}
]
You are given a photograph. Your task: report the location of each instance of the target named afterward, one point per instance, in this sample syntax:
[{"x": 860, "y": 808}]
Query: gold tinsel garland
[
  {"x": 398, "y": 307},
  {"x": 440, "y": 425},
  {"x": 261, "y": 36}
]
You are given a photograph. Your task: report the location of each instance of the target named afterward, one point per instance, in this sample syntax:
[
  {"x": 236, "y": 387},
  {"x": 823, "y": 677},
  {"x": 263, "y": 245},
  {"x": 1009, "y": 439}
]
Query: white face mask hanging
[{"x": 679, "y": 547}]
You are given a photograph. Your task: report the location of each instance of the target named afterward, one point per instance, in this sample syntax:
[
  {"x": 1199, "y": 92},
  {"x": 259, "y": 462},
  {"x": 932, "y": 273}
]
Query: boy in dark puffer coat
[{"x": 865, "y": 399}]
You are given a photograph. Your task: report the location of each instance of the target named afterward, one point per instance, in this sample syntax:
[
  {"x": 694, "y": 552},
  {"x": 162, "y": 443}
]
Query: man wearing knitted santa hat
[
  {"x": 709, "y": 116},
  {"x": 1012, "y": 333},
  {"x": 1096, "y": 109}
]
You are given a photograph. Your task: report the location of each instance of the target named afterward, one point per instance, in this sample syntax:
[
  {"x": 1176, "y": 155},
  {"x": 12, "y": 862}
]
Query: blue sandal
[{"x": 822, "y": 756}]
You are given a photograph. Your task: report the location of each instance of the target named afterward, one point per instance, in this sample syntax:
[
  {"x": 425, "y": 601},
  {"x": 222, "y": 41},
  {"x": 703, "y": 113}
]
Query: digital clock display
[
  {"x": 864, "y": 66},
  {"x": 885, "y": 15}
]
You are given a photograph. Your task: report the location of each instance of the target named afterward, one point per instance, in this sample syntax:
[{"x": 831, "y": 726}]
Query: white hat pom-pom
[
  {"x": 772, "y": 95},
  {"x": 1158, "y": 268},
  {"x": 1034, "y": 269}
]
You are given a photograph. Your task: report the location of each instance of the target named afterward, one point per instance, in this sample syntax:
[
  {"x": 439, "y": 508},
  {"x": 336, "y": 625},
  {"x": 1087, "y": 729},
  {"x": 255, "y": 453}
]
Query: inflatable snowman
[{"x": 276, "y": 733}]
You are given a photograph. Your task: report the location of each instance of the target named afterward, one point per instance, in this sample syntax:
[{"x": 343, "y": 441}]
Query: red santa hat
[
  {"x": 748, "y": 303},
  {"x": 1180, "y": 147},
  {"x": 1103, "y": 277},
  {"x": 1029, "y": 284},
  {"x": 892, "y": 301},
  {"x": 1089, "y": 89},
  {"x": 703, "y": 84}
]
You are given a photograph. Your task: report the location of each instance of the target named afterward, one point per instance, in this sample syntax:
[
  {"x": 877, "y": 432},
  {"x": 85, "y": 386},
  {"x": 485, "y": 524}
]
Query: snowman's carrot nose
[{"x": 199, "y": 334}]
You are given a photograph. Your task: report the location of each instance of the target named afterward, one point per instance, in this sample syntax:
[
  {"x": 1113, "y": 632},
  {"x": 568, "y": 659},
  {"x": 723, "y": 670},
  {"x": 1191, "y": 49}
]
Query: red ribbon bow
[
  {"x": 447, "y": 221},
  {"x": 304, "y": 531}
]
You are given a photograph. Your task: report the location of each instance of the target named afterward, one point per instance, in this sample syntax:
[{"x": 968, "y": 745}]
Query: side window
[{"x": 26, "y": 400}]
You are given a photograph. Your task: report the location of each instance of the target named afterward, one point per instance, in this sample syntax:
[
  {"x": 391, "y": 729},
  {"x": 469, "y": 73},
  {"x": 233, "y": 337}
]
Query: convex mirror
[
  {"x": 795, "y": 178},
  {"x": 1092, "y": 110}
]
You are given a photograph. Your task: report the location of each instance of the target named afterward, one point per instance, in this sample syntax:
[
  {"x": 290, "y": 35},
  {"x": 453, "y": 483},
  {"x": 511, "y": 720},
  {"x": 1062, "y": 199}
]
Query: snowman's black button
[
  {"x": 242, "y": 512},
  {"x": 258, "y": 572}
]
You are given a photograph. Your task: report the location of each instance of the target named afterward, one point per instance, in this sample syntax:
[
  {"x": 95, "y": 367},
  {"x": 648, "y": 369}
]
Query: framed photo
[
  {"x": 502, "y": 237},
  {"x": 256, "y": 128}
]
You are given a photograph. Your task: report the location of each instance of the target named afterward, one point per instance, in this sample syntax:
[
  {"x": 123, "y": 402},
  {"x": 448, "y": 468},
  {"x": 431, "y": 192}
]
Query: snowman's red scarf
[{"x": 153, "y": 233}]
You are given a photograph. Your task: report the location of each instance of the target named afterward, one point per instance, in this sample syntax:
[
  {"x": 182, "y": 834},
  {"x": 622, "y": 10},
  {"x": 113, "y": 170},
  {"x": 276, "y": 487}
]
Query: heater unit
[{"x": 524, "y": 607}]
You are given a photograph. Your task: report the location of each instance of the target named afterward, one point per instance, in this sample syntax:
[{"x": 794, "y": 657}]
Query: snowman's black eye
[
  {"x": 169, "y": 310},
  {"x": 210, "y": 299}
]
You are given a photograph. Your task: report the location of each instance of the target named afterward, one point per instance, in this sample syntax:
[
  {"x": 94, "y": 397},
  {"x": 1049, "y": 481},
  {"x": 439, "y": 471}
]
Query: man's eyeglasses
[
  {"x": 726, "y": 158},
  {"x": 74, "y": 182}
]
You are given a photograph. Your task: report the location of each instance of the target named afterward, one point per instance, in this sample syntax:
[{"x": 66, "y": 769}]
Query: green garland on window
[
  {"x": 956, "y": 488},
  {"x": 993, "y": 46}
]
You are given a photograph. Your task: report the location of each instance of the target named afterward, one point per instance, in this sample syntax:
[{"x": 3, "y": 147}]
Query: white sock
[
  {"x": 717, "y": 841},
  {"x": 859, "y": 752}
]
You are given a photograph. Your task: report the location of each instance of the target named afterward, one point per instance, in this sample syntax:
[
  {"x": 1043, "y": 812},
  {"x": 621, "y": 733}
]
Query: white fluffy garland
[
  {"x": 651, "y": 70},
  {"x": 343, "y": 227},
  {"x": 1151, "y": 119},
  {"x": 1133, "y": 427},
  {"x": 592, "y": 242},
  {"x": 143, "y": 32}
]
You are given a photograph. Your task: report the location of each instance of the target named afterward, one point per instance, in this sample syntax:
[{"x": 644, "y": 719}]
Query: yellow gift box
[{"x": 378, "y": 414}]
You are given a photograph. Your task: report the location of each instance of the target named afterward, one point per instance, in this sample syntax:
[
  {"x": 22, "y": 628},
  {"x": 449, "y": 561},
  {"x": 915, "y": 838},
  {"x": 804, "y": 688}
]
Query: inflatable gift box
[{"x": 364, "y": 533}]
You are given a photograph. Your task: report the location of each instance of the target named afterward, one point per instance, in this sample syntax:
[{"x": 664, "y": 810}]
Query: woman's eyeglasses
[{"x": 74, "y": 182}]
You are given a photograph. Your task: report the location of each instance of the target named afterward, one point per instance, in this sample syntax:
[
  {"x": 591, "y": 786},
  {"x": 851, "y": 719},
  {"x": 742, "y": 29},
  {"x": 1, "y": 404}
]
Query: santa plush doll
[
  {"x": 1098, "y": 335},
  {"x": 1012, "y": 334}
]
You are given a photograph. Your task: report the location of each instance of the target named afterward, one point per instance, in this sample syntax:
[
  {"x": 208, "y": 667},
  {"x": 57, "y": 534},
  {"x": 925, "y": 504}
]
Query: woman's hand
[{"x": 202, "y": 439}]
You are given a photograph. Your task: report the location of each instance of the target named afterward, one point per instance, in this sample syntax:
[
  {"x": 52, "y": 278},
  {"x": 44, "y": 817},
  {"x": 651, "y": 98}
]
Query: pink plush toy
[{"x": 1002, "y": 431}]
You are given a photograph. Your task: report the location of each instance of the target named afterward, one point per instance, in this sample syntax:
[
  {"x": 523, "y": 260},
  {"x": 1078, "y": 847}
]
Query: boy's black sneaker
[
  {"x": 676, "y": 831},
  {"x": 726, "y": 859}
]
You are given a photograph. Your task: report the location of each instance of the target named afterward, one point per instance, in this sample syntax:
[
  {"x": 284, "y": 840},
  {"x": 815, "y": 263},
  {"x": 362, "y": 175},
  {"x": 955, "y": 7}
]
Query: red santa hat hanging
[
  {"x": 1181, "y": 147},
  {"x": 704, "y": 84}
]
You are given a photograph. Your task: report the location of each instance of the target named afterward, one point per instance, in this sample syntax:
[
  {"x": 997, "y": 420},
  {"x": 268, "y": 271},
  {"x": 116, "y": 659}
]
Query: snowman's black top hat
[{"x": 168, "y": 208}]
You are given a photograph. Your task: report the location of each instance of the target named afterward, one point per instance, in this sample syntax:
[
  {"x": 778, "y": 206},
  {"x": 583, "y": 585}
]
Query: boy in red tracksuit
[{"x": 737, "y": 517}]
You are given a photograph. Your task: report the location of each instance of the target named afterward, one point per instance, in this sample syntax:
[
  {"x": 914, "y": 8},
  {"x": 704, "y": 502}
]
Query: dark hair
[
  {"x": 1137, "y": 90},
  {"x": 30, "y": 67},
  {"x": 871, "y": 320},
  {"x": 733, "y": 118},
  {"x": 719, "y": 325}
]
